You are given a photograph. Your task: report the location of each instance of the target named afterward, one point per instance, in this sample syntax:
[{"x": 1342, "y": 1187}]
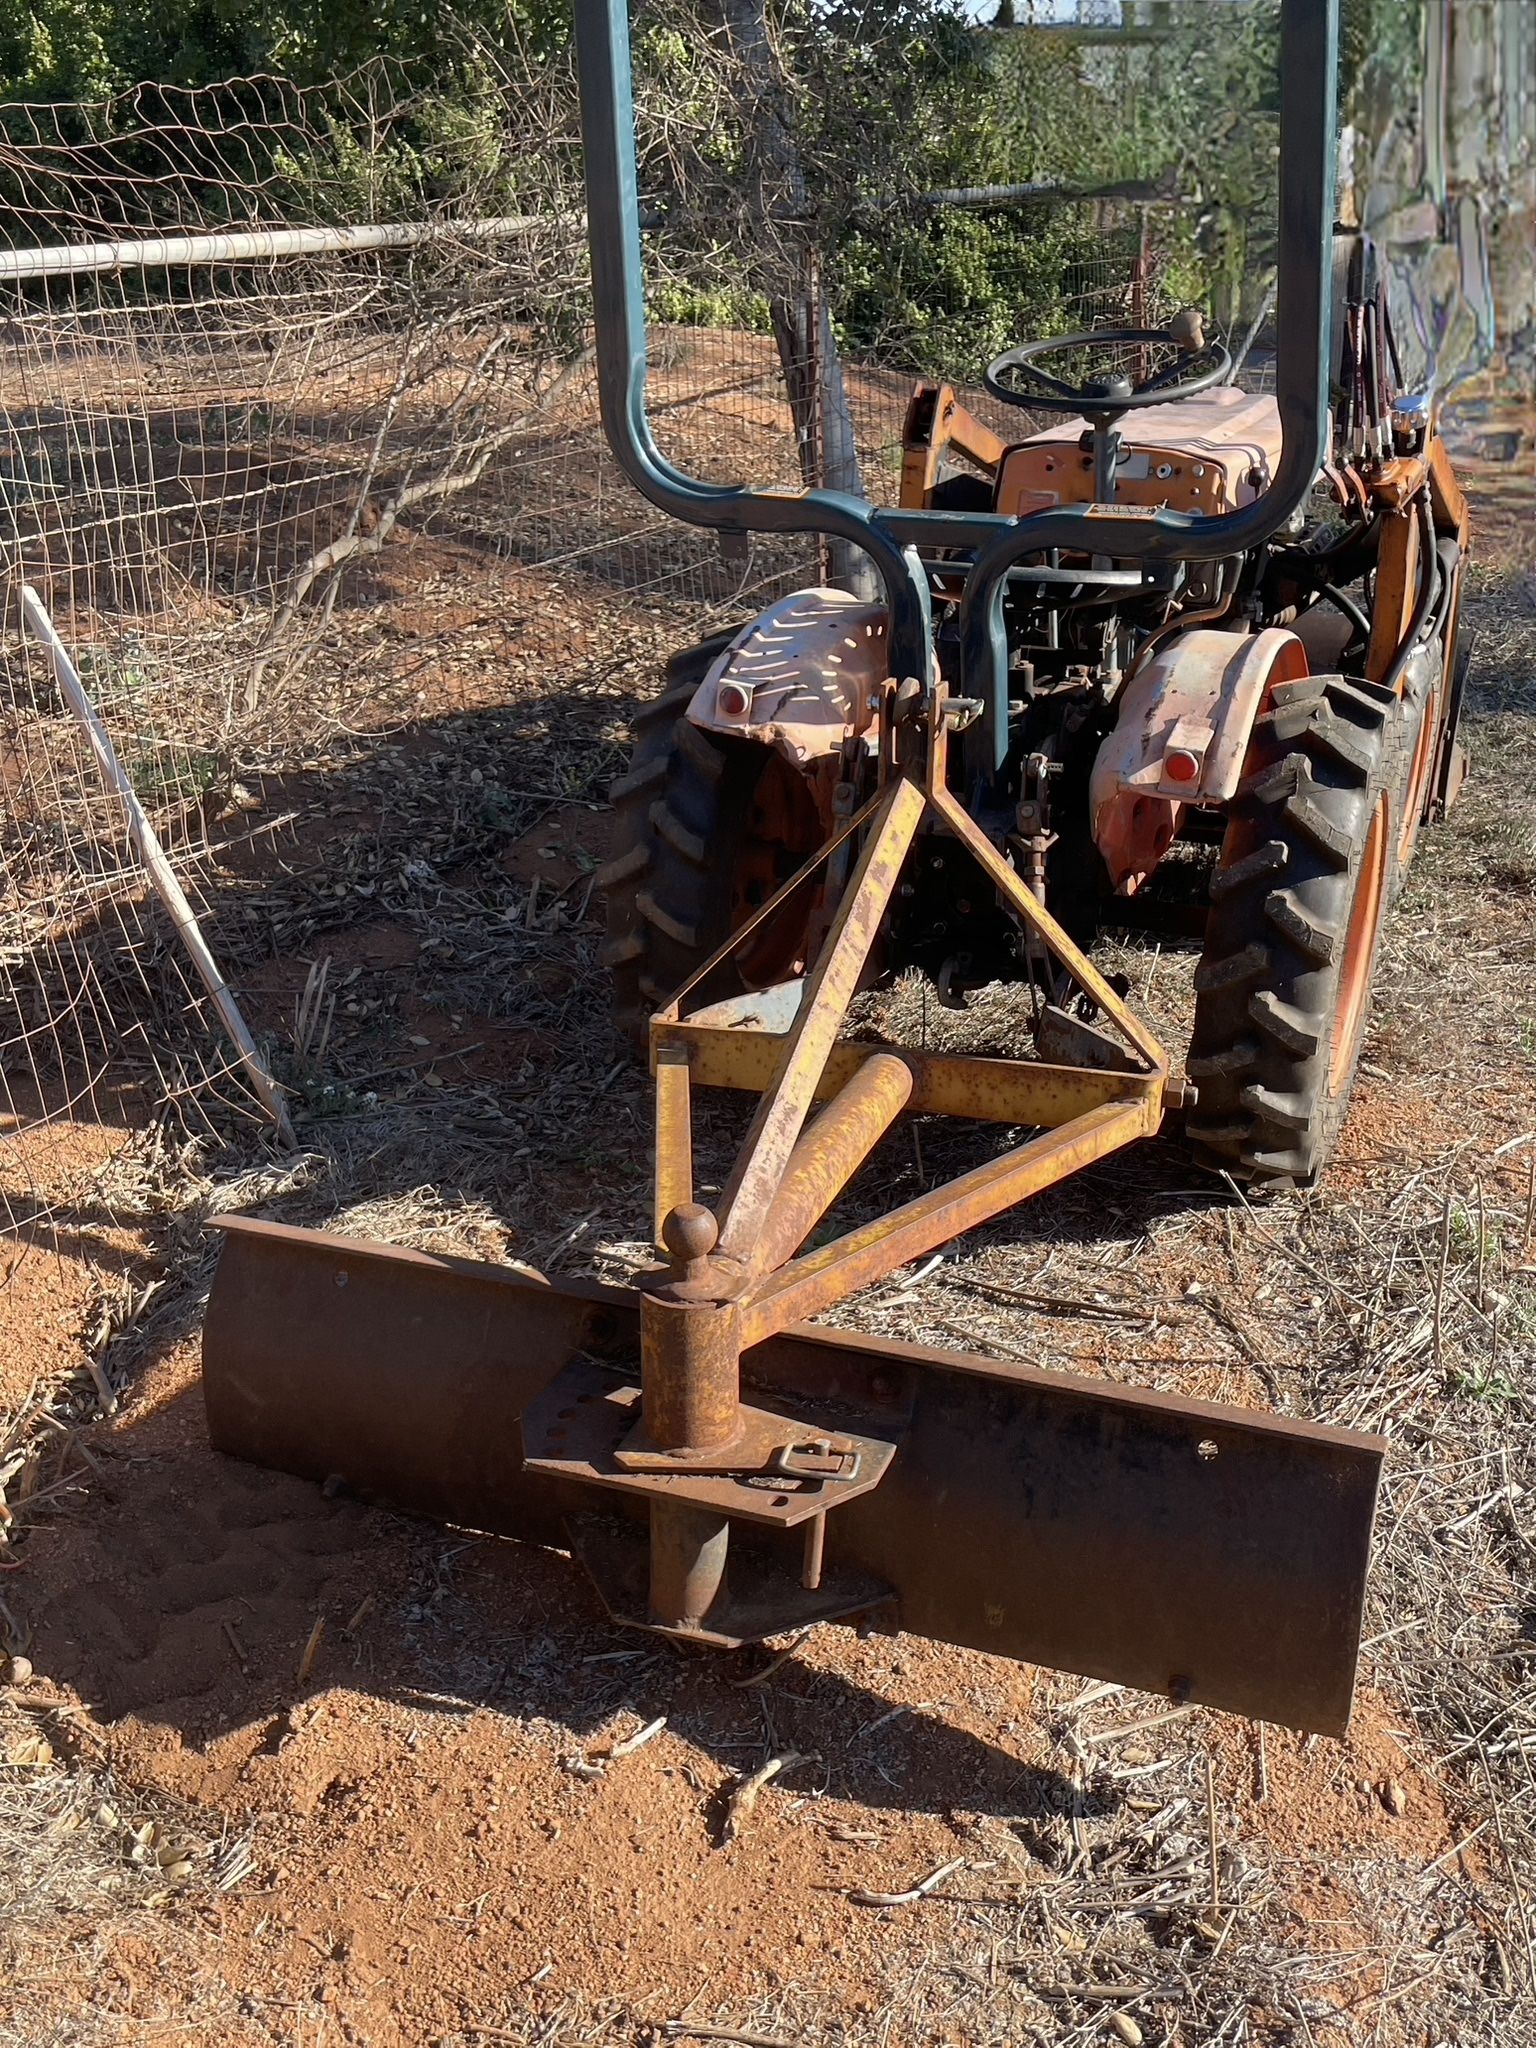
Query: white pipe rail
[
  {"x": 162, "y": 876},
  {"x": 257, "y": 245}
]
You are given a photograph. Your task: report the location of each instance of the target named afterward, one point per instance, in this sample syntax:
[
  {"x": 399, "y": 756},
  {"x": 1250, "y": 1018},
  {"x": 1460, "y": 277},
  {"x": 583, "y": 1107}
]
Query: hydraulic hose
[
  {"x": 1342, "y": 601},
  {"x": 1435, "y": 576},
  {"x": 1183, "y": 622}
]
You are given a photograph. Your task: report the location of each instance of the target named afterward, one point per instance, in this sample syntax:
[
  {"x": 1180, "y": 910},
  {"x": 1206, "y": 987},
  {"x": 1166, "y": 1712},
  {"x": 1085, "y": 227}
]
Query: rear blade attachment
[{"x": 1210, "y": 1553}]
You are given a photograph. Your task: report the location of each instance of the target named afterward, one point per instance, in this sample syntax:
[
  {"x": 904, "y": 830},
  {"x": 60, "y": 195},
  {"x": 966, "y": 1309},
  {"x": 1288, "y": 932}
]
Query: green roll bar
[{"x": 1309, "y": 64}]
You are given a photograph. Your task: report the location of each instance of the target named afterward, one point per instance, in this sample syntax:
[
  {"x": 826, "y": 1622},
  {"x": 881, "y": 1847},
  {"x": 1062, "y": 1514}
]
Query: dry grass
[
  {"x": 88, "y": 1864},
  {"x": 1401, "y": 1298}
]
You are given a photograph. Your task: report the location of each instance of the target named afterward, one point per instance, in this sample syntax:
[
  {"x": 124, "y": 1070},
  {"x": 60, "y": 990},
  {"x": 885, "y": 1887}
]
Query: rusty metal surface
[
  {"x": 803, "y": 877},
  {"x": 1204, "y": 454},
  {"x": 1209, "y": 1553},
  {"x": 1193, "y": 703},
  {"x": 1020, "y": 1092},
  {"x": 672, "y": 1184},
  {"x": 583, "y": 1429},
  {"x": 829, "y": 1153},
  {"x": 1039, "y": 1516},
  {"x": 1399, "y": 574},
  {"x": 801, "y": 677},
  {"x": 828, "y": 990},
  {"x": 692, "y": 1390},
  {"x": 1449, "y": 500},
  {"x": 690, "y": 1551},
  {"x": 404, "y": 1374},
  {"x": 815, "y": 1282},
  {"x": 935, "y": 421},
  {"x": 762, "y": 1596}
]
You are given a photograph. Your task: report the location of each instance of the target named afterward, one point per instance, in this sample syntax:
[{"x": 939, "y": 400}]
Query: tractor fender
[
  {"x": 1180, "y": 739},
  {"x": 803, "y": 677}
]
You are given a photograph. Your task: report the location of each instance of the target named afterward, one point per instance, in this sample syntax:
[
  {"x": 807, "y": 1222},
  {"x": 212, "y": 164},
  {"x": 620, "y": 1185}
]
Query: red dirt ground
[
  {"x": 422, "y": 1844},
  {"x": 50, "y": 1270},
  {"x": 425, "y": 1854}
]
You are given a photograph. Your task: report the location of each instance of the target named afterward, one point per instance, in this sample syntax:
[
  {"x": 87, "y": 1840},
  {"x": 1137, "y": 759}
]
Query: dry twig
[{"x": 910, "y": 1897}]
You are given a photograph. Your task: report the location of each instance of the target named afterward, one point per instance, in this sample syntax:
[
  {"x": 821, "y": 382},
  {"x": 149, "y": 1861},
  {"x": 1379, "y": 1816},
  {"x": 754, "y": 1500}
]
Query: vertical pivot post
[
  {"x": 690, "y": 1337},
  {"x": 690, "y": 1376}
]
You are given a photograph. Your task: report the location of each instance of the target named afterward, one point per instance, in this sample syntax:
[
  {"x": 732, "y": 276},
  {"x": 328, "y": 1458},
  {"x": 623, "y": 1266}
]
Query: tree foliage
[
  {"x": 873, "y": 103},
  {"x": 90, "y": 49}
]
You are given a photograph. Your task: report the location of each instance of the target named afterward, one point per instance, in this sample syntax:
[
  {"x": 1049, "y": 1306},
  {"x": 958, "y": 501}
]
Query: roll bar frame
[{"x": 891, "y": 537}]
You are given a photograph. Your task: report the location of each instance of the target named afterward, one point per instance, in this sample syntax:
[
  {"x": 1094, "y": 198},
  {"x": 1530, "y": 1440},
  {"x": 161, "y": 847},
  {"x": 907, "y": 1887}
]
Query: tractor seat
[{"x": 1208, "y": 454}]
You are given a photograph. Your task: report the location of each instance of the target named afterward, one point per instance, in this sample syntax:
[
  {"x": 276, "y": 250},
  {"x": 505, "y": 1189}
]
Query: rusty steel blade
[
  {"x": 1212, "y": 1553},
  {"x": 404, "y": 1373}
]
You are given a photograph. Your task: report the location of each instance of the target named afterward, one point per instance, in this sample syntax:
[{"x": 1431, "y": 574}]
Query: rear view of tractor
[
  {"x": 1275, "y": 724},
  {"x": 1185, "y": 660}
]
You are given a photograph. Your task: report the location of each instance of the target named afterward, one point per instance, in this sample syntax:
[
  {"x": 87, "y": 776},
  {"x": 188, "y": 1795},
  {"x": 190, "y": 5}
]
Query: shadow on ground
[{"x": 184, "y": 1593}]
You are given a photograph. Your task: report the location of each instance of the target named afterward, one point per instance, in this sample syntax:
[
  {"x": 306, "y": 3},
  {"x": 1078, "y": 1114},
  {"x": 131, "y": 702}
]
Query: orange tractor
[
  {"x": 1186, "y": 659},
  {"x": 1275, "y": 725}
]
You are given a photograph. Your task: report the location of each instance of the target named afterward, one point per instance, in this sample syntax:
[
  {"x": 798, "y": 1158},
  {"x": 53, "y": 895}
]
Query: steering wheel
[{"x": 1106, "y": 398}]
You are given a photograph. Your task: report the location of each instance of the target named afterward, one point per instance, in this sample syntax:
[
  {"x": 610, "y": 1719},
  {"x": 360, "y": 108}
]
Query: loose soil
[
  {"x": 54, "y": 1262},
  {"x": 410, "y": 1728},
  {"x": 425, "y": 1844}
]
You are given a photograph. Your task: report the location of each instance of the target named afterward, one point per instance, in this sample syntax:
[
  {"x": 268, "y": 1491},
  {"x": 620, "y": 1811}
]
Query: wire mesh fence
[
  {"x": 267, "y": 473},
  {"x": 202, "y": 464},
  {"x": 286, "y": 403}
]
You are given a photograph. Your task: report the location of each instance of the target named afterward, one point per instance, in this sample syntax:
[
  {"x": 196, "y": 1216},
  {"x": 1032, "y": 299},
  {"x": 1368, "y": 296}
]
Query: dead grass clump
[
  {"x": 1500, "y": 613},
  {"x": 88, "y": 1866},
  {"x": 428, "y": 1221},
  {"x": 75, "y": 1840}
]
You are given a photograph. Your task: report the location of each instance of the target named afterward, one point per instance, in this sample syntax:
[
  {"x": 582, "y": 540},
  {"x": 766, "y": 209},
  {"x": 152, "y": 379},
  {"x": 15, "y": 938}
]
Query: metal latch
[{"x": 818, "y": 1459}]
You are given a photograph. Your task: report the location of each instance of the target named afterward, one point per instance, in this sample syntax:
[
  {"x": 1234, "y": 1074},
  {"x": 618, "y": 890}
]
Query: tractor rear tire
[
  {"x": 690, "y": 854},
  {"x": 1297, "y": 900}
]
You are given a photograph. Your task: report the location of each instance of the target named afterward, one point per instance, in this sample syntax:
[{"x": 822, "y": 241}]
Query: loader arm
[{"x": 936, "y": 422}]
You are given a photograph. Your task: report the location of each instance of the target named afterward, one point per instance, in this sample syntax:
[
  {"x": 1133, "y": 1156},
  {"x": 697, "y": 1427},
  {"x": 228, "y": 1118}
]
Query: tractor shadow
[
  {"x": 440, "y": 877},
  {"x": 435, "y": 884},
  {"x": 207, "y": 1603}
]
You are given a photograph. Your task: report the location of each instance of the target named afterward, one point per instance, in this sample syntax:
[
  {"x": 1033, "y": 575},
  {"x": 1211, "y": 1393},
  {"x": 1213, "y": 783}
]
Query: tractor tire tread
[
  {"x": 678, "y": 812},
  {"x": 692, "y": 847},
  {"x": 644, "y": 775},
  {"x": 1238, "y": 1058},
  {"x": 661, "y": 919},
  {"x": 1318, "y": 829},
  {"x": 702, "y": 753},
  {"x": 1268, "y": 859},
  {"x": 1268, "y": 989},
  {"x": 1339, "y": 743},
  {"x": 1319, "y": 942},
  {"x": 1232, "y": 970},
  {"x": 663, "y": 710},
  {"x": 1287, "y": 1023},
  {"x": 1218, "y": 1136}
]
